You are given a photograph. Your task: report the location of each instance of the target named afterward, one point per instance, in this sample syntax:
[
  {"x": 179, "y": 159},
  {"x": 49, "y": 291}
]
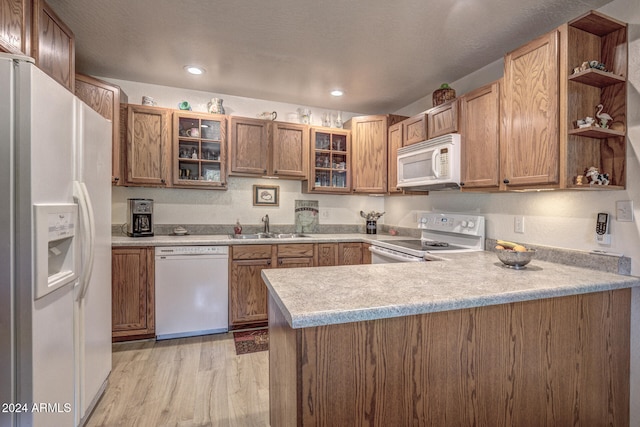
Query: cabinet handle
[
  {"x": 275, "y": 171},
  {"x": 462, "y": 184},
  {"x": 280, "y": 261},
  {"x": 506, "y": 181},
  {"x": 116, "y": 179},
  {"x": 163, "y": 181},
  {"x": 265, "y": 171}
]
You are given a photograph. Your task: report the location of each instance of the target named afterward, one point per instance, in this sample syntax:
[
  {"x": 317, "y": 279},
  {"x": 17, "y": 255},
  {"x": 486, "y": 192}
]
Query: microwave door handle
[{"x": 434, "y": 163}]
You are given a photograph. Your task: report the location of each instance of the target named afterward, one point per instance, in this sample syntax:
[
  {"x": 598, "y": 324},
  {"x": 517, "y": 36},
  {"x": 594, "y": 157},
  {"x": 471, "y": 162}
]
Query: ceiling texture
[{"x": 383, "y": 54}]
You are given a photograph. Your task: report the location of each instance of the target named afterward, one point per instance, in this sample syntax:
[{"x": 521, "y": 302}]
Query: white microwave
[{"x": 433, "y": 164}]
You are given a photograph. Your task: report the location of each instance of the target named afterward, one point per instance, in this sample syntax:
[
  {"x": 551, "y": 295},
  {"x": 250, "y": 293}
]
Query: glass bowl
[{"x": 514, "y": 259}]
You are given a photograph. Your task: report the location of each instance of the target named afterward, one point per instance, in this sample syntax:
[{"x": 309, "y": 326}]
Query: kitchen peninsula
[{"x": 449, "y": 343}]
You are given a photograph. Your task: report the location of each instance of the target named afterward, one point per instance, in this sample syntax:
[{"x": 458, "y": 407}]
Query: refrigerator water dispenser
[{"x": 55, "y": 247}]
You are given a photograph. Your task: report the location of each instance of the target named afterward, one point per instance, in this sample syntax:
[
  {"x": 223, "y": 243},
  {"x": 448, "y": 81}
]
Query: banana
[{"x": 507, "y": 245}]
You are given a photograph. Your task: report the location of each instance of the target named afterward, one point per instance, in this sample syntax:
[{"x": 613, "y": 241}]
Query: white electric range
[{"x": 441, "y": 233}]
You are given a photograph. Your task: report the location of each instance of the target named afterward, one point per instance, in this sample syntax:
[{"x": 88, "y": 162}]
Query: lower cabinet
[
  {"x": 132, "y": 293},
  {"x": 349, "y": 253},
  {"x": 247, "y": 292}
]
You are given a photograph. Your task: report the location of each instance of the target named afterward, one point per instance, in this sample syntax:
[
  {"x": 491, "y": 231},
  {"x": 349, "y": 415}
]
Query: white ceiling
[{"x": 383, "y": 54}]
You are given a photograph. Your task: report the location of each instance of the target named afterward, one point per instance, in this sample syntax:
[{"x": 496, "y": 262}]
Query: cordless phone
[{"x": 602, "y": 228}]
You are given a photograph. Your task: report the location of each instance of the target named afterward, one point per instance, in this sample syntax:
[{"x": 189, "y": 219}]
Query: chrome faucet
[{"x": 265, "y": 219}]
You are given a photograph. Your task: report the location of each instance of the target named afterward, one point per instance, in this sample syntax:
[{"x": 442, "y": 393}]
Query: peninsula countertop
[{"x": 318, "y": 296}]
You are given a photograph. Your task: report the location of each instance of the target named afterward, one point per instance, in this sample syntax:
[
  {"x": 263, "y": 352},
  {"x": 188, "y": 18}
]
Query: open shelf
[
  {"x": 596, "y": 132},
  {"x": 597, "y": 78}
]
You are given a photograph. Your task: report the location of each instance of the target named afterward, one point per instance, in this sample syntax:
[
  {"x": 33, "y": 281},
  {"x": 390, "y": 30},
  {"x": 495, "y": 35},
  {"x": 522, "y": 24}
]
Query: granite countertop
[
  {"x": 225, "y": 239},
  {"x": 330, "y": 295}
]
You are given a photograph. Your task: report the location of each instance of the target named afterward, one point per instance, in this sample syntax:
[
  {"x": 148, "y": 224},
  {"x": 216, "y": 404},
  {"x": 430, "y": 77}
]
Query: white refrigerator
[{"x": 55, "y": 262}]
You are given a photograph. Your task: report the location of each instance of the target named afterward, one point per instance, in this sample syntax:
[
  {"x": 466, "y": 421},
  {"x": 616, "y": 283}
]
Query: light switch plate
[
  {"x": 624, "y": 210},
  {"x": 518, "y": 224}
]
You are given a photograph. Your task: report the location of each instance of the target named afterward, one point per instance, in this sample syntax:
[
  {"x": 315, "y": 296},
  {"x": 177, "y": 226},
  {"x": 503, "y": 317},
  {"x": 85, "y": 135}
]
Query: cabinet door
[
  {"x": 369, "y": 147},
  {"x": 295, "y": 262},
  {"x": 327, "y": 254},
  {"x": 414, "y": 129},
  {"x": 248, "y": 146},
  {"x": 480, "y": 129},
  {"x": 395, "y": 141},
  {"x": 330, "y": 167},
  {"x": 248, "y": 294},
  {"x": 290, "y": 150},
  {"x": 53, "y": 45},
  {"x": 15, "y": 24},
  {"x": 105, "y": 98},
  {"x": 350, "y": 253},
  {"x": 530, "y": 147},
  {"x": 132, "y": 293},
  {"x": 443, "y": 119},
  {"x": 148, "y": 145}
]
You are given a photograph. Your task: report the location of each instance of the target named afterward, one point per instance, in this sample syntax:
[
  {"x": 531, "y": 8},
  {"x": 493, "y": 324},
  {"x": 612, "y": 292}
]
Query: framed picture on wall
[{"x": 266, "y": 195}]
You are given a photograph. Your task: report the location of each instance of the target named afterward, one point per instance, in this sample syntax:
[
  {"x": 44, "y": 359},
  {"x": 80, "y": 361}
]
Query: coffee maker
[{"x": 140, "y": 217}]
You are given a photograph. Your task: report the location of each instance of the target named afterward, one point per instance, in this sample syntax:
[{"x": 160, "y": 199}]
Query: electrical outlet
[
  {"x": 624, "y": 210},
  {"x": 325, "y": 213},
  {"x": 518, "y": 224}
]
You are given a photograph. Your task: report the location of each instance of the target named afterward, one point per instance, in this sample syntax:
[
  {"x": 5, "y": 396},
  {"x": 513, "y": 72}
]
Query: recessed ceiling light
[
  {"x": 192, "y": 69},
  {"x": 337, "y": 92}
]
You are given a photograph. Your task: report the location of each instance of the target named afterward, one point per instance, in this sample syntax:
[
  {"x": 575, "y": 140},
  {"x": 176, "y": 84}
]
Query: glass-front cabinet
[
  {"x": 330, "y": 167},
  {"x": 199, "y": 150}
]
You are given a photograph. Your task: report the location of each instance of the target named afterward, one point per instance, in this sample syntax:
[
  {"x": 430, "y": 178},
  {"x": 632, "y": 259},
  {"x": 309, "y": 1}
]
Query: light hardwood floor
[{"x": 196, "y": 381}]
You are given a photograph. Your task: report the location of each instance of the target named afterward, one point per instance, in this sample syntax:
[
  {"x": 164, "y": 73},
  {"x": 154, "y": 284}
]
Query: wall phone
[{"x": 603, "y": 235}]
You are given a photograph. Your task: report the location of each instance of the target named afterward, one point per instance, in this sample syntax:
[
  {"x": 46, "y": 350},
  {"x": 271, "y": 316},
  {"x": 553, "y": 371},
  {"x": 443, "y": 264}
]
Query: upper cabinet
[
  {"x": 369, "y": 147},
  {"x": 443, "y": 119},
  {"x": 15, "y": 26},
  {"x": 266, "y": 148},
  {"x": 53, "y": 45},
  {"x": 480, "y": 132},
  {"x": 330, "y": 164},
  {"x": 396, "y": 134},
  {"x": 549, "y": 85},
  {"x": 199, "y": 150},
  {"x": 148, "y": 152},
  {"x": 414, "y": 129},
  {"x": 106, "y": 99},
  {"x": 530, "y": 148}
]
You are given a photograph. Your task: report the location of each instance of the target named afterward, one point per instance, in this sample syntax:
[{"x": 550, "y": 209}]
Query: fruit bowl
[{"x": 515, "y": 259}]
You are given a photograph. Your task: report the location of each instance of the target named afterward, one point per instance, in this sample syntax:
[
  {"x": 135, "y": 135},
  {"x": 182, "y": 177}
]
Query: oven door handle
[{"x": 391, "y": 255}]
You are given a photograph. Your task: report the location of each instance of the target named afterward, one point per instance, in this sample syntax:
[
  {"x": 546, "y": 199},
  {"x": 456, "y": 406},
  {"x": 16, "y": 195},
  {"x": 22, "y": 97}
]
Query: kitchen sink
[{"x": 266, "y": 236}]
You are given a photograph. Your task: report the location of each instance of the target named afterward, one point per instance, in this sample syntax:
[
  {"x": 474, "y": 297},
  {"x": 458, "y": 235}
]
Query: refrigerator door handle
[{"x": 88, "y": 232}]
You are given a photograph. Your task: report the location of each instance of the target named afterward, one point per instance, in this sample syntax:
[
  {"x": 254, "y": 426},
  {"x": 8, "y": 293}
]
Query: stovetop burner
[{"x": 435, "y": 244}]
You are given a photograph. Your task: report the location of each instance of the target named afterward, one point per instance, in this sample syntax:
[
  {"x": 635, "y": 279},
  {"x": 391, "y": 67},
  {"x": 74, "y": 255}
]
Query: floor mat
[{"x": 251, "y": 341}]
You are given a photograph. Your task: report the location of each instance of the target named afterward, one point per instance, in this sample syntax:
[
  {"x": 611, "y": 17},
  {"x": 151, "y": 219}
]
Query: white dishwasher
[{"x": 192, "y": 290}]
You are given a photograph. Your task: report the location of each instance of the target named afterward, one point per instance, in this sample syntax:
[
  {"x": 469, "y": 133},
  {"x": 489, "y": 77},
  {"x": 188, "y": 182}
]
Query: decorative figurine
[
  {"x": 579, "y": 179},
  {"x": 586, "y": 122},
  {"x": 595, "y": 177},
  {"x": 604, "y": 117}
]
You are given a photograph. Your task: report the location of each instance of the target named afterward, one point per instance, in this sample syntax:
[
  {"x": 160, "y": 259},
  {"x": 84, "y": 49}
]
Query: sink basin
[{"x": 267, "y": 236}]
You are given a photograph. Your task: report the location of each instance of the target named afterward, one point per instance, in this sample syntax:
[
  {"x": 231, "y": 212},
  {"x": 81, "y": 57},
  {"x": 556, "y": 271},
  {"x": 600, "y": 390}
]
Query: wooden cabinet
[
  {"x": 594, "y": 36},
  {"x": 53, "y": 45},
  {"x": 327, "y": 254},
  {"x": 330, "y": 161},
  {"x": 148, "y": 146},
  {"x": 296, "y": 255},
  {"x": 369, "y": 148},
  {"x": 443, "y": 119},
  {"x": 247, "y": 291},
  {"x": 15, "y": 26},
  {"x": 133, "y": 293},
  {"x": 530, "y": 147},
  {"x": 106, "y": 99},
  {"x": 480, "y": 132},
  {"x": 290, "y": 150},
  {"x": 396, "y": 134},
  {"x": 350, "y": 253},
  {"x": 263, "y": 147},
  {"x": 199, "y": 150},
  {"x": 414, "y": 129}
]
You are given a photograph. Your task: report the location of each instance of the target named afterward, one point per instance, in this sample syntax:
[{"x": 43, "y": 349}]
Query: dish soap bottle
[{"x": 238, "y": 228}]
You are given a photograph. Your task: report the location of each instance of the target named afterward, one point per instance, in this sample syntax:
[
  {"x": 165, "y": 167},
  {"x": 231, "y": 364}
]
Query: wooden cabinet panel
[
  {"x": 53, "y": 46},
  {"x": 530, "y": 148},
  {"x": 443, "y": 119},
  {"x": 15, "y": 25},
  {"x": 248, "y": 146},
  {"x": 366, "y": 253},
  {"x": 369, "y": 146},
  {"x": 396, "y": 134},
  {"x": 480, "y": 131},
  {"x": 247, "y": 292},
  {"x": 106, "y": 99},
  {"x": 290, "y": 150},
  {"x": 414, "y": 129},
  {"x": 295, "y": 262},
  {"x": 148, "y": 145},
  {"x": 251, "y": 251},
  {"x": 133, "y": 293},
  {"x": 327, "y": 254},
  {"x": 330, "y": 161},
  {"x": 350, "y": 253},
  {"x": 295, "y": 250}
]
